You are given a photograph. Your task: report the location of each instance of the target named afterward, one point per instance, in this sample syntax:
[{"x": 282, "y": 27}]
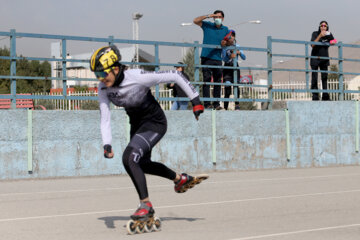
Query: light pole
[
  {"x": 136, "y": 17},
  {"x": 186, "y": 24},
  {"x": 183, "y": 49},
  {"x": 251, "y": 22}
]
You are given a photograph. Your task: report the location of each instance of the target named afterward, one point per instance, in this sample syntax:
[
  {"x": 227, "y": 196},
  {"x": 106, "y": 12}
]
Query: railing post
[
  {"x": 196, "y": 62},
  {"x": 13, "y": 67},
  {"x": 63, "y": 54},
  {"x": 357, "y": 126},
  {"x": 307, "y": 73},
  {"x": 213, "y": 122},
  {"x": 288, "y": 145},
  {"x": 157, "y": 95},
  {"x": 235, "y": 77},
  {"x": 29, "y": 138},
  {"x": 341, "y": 74},
  {"x": 269, "y": 71}
]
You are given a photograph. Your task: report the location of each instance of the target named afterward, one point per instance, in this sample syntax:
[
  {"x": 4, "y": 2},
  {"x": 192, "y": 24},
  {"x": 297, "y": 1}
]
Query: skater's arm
[
  {"x": 105, "y": 116},
  {"x": 154, "y": 78}
]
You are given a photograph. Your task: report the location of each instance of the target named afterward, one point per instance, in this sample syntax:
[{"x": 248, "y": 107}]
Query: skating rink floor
[{"x": 313, "y": 203}]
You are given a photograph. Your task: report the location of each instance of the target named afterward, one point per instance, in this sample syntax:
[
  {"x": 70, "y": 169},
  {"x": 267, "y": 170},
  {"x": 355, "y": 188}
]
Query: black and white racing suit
[{"x": 147, "y": 120}]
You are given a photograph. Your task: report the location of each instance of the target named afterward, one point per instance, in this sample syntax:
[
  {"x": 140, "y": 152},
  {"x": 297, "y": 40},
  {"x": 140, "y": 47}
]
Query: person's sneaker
[
  {"x": 218, "y": 108},
  {"x": 144, "y": 212},
  {"x": 184, "y": 183},
  {"x": 237, "y": 107}
]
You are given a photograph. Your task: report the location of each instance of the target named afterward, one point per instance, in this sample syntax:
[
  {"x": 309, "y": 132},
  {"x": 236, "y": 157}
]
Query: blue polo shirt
[{"x": 212, "y": 35}]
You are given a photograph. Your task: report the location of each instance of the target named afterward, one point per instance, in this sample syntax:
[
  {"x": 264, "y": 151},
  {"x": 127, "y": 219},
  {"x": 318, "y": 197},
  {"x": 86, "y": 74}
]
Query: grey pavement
[{"x": 313, "y": 203}]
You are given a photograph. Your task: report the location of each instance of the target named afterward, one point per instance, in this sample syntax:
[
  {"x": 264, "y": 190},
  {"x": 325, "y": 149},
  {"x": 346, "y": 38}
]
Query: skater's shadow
[{"x": 110, "y": 221}]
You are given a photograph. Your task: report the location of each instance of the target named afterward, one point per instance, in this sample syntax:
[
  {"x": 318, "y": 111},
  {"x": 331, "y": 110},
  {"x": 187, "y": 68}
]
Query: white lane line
[
  {"x": 298, "y": 232},
  {"x": 169, "y": 185},
  {"x": 184, "y": 205},
  {"x": 282, "y": 179},
  {"x": 69, "y": 191}
]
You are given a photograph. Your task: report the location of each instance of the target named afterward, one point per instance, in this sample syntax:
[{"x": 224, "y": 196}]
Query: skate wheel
[
  {"x": 201, "y": 177},
  {"x": 149, "y": 226},
  {"x": 157, "y": 224},
  {"x": 130, "y": 227},
  {"x": 140, "y": 228}
]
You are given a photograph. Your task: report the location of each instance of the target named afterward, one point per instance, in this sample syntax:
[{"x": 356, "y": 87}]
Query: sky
[{"x": 161, "y": 21}]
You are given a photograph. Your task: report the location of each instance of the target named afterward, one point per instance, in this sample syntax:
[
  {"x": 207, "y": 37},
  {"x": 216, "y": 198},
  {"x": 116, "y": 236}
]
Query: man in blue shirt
[{"x": 214, "y": 32}]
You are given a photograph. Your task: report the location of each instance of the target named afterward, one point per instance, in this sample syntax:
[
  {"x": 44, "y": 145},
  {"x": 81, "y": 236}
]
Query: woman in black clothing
[{"x": 324, "y": 36}]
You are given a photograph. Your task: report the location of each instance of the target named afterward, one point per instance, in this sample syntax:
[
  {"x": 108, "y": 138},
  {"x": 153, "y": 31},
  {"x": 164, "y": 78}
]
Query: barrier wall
[{"x": 68, "y": 143}]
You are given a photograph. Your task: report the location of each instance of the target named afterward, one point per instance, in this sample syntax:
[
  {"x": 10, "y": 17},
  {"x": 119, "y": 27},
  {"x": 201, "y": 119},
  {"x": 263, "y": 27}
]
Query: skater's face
[{"x": 108, "y": 78}]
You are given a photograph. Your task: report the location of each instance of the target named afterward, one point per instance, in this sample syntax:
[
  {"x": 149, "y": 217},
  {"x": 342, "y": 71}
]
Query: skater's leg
[
  {"x": 140, "y": 145},
  {"x": 157, "y": 169},
  {"x": 131, "y": 158}
]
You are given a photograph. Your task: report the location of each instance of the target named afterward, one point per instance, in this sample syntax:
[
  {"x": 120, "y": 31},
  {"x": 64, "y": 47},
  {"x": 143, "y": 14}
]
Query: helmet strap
[{"x": 120, "y": 76}]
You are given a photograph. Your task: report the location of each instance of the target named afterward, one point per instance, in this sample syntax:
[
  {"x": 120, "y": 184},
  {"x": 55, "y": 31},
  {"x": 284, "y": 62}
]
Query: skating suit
[{"x": 147, "y": 119}]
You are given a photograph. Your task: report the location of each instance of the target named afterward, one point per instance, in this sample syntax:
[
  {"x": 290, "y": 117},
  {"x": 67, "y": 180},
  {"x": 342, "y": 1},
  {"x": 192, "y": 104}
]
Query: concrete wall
[{"x": 68, "y": 143}]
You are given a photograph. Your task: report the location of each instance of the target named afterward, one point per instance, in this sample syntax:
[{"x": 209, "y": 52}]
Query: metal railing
[{"x": 267, "y": 90}]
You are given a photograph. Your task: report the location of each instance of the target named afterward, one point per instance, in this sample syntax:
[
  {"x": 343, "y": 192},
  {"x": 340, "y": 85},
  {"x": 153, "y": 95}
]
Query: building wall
[{"x": 68, "y": 143}]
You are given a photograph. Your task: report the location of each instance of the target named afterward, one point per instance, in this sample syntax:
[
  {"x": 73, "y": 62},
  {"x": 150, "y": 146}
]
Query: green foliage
[
  {"x": 189, "y": 60},
  {"x": 48, "y": 104},
  {"x": 25, "y": 68},
  {"x": 81, "y": 88},
  {"x": 4, "y": 70},
  {"x": 247, "y": 105},
  {"x": 333, "y": 76},
  {"x": 90, "y": 105}
]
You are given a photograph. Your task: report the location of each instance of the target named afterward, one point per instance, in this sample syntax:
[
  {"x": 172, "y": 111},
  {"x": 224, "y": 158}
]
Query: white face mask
[{"x": 218, "y": 21}]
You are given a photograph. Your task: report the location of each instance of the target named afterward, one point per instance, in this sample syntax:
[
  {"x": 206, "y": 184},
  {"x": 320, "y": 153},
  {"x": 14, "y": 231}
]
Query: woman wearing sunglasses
[
  {"x": 324, "y": 36},
  {"x": 131, "y": 89}
]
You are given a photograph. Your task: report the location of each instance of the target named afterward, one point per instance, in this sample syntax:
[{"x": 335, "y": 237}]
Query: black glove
[
  {"x": 107, "y": 150},
  {"x": 198, "y": 108}
]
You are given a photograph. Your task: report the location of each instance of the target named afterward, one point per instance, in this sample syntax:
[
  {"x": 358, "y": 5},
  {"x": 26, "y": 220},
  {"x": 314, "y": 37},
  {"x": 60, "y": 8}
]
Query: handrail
[{"x": 13, "y": 35}]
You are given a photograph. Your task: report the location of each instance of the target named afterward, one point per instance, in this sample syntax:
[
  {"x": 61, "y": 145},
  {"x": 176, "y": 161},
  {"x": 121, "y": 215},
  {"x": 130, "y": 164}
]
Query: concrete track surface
[{"x": 296, "y": 204}]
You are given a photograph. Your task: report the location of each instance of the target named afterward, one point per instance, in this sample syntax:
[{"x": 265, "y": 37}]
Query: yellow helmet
[{"x": 104, "y": 58}]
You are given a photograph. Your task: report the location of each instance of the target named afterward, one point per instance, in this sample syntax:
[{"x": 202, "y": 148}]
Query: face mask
[{"x": 218, "y": 21}]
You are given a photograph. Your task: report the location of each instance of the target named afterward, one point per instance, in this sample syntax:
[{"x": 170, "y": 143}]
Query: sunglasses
[
  {"x": 103, "y": 74},
  {"x": 323, "y": 25}
]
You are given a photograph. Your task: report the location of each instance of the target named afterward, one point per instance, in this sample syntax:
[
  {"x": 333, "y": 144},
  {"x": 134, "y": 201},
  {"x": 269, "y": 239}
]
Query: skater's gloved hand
[
  {"x": 198, "y": 108},
  {"x": 108, "y": 152}
]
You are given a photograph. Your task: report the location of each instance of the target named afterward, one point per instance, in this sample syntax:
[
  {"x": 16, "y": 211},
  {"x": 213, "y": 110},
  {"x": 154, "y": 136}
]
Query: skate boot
[
  {"x": 143, "y": 220},
  {"x": 144, "y": 211},
  {"x": 186, "y": 181}
]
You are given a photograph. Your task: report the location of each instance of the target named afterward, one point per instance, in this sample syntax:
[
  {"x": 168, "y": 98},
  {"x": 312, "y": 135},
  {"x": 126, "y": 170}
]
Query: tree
[
  {"x": 334, "y": 76},
  {"x": 28, "y": 69},
  {"x": 189, "y": 60},
  {"x": 247, "y": 105},
  {"x": 4, "y": 70}
]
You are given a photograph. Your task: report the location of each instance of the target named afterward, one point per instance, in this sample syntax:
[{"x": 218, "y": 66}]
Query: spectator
[
  {"x": 178, "y": 92},
  {"x": 228, "y": 57},
  {"x": 321, "y": 35},
  {"x": 213, "y": 34}
]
